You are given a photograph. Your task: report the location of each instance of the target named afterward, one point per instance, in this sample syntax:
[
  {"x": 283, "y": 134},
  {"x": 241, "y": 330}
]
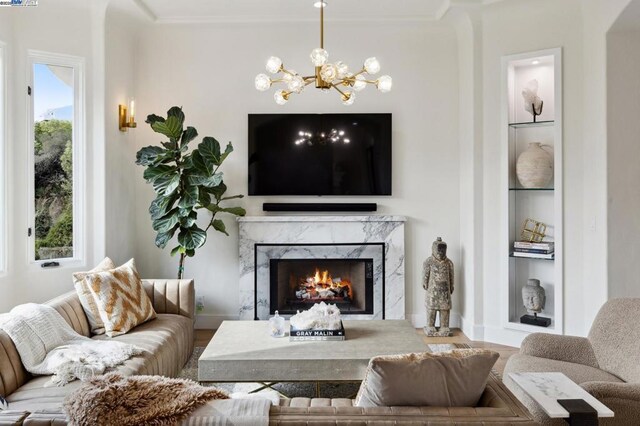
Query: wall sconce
[{"x": 123, "y": 122}]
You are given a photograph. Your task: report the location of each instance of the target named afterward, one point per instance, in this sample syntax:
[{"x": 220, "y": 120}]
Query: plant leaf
[
  {"x": 164, "y": 237},
  {"x": 172, "y": 146},
  {"x": 210, "y": 150},
  {"x": 232, "y": 197},
  {"x": 204, "y": 198},
  {"x": 207, "y": 181},
  {"x": 175, "y": 250},
  {"x": 166, "y": 222},
  {"x": 172, "y": 127},
  {"x": 238, "y": 211},
  {"x": 200, "y": 164},
  {"x": 188, "y": 135},
  {"x": 189, "y": 221},
  {"x": 167, "y": 184},
  {"x": 218, "y": 191},
  {"x": 189, "y": 197},
  {"x": 192, "y": 238},
  {"x": 152, "y": 118},
  {"x": 190, "y": 252},
  {"x": 177, "y": 113},
  {"x": 150, "y": 155},
  {"x": 161, "y": 205},
  {"x": 152, "y": 173},
  {"x": 228, "y": 150},
  {"x": 219, "y": 226}
]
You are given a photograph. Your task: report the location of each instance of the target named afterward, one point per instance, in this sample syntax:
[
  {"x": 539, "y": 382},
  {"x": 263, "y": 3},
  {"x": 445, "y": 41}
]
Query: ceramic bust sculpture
[
  {"x": 533, "y": 297},
  {"x": 437, "y": 279}
]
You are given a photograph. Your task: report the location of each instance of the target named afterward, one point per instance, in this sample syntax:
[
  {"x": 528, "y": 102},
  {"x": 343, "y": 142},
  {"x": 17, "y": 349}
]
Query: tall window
[{"x": 57, "y": 198}]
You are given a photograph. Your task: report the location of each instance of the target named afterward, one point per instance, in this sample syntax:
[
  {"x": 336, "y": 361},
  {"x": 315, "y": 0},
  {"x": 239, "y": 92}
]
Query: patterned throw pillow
[
  {"x": 87, "y": 299},
  {"x": 121, "y": 299},
  {"x": 444, "y": 379}
]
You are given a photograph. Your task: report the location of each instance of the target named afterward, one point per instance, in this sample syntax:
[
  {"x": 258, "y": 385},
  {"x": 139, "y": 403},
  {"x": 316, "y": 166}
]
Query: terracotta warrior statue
[{"x": 438, "y": 281}]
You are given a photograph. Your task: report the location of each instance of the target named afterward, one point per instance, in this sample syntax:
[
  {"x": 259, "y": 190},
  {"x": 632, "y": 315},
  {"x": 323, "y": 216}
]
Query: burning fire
[{"x": 323, "y": 286}]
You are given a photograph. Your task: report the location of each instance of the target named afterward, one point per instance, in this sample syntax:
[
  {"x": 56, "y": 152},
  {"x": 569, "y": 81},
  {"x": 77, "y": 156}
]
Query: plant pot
[{"x": 534, "y": 167}]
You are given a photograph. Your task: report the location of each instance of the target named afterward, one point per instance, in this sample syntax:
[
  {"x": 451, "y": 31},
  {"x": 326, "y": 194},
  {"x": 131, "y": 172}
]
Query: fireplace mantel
[
  {"x": 301, "y": 229},
  {"x": 371, "y": 218}
]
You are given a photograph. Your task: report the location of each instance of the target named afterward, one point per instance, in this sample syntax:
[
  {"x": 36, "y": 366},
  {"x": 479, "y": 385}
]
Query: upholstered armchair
[{"x": 606, "y": 364}]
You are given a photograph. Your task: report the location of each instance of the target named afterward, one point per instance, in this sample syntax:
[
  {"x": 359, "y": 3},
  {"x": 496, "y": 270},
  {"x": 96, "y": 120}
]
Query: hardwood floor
[{"x": 202, "y": 338}]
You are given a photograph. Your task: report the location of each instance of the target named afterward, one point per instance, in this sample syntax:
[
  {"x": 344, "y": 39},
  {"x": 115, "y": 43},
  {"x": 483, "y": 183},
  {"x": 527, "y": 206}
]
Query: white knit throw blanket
[{"x": 49, "y": 346}]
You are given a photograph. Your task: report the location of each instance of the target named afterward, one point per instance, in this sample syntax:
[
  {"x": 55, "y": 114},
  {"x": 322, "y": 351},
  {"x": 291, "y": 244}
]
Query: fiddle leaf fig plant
[{"x": 185, "y": 182}]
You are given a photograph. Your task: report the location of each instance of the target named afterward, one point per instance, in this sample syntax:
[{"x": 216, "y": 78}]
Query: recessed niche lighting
[
  {"x": 319, "y": 4},
  {"x": 535, "y": 62}
]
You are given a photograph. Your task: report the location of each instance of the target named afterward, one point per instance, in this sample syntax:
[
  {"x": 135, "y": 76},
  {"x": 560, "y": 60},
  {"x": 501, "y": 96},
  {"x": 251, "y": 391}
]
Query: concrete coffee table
[{"x": 243, "y": 351}]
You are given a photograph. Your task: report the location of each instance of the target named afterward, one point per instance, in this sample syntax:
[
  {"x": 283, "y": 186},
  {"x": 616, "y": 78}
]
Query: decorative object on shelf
[
  {"x": 327, "y": 75},
  {"x": 185, "y": 182},
  {"x": 533, "y": 231},
  {"x": 276, "y": 326},
  {"x": 534, "y": 167},
  {"x": 534, "y": 299},
  {"x": 437, "y": 279},
  {"x": 321, "y": 322},
  {"x": 321, "y": 138},
  {"x": 125, "y": 123},
  {"x": 532, "y": 102}
]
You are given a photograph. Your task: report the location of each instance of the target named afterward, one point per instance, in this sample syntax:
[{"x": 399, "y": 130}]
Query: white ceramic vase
[{"x": 534, "y": 167}]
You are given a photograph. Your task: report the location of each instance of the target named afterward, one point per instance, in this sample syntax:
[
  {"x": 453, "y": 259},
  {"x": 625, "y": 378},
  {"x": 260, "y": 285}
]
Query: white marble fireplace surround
[{"x": 320, "y": 230}]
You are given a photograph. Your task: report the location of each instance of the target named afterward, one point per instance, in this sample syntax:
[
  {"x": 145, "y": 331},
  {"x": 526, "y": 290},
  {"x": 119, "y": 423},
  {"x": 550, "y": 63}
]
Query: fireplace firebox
[{"x": 297, "y": 284}]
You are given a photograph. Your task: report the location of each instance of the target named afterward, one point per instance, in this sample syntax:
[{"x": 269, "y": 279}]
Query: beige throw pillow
[
  {"x": 87, "y": 300},
  {"x": 121, "y": 299},
  {"x": 444, "y": 379}
]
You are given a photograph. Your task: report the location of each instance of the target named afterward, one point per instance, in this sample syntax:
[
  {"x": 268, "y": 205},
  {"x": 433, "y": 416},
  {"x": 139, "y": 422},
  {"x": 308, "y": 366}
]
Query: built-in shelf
[
  {"x": 544, "y": 205},
  {"x": 531, "y": 189},
  {"x": 530, "y": 258},
  {"x": 546, "y": 123},
  {"x": 528, "y": 327}
]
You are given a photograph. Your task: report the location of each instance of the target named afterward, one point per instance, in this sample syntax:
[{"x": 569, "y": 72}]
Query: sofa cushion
[
  {"x": 444, "y": 379},
  {"x": 166, "y": 340},
  {"x": 87, "y": 299},
  {"x": 122, "y": 301}
]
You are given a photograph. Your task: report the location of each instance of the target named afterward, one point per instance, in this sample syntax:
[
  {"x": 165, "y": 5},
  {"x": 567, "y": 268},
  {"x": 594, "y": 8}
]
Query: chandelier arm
[
  {"x": 362, "y": 71},
  {"x": 308, "y": 82},
  {"x": 341, "y": 92}
]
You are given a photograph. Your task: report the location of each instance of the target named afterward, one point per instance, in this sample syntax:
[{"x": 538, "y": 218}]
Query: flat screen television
[{"x": 320, "y": 154}]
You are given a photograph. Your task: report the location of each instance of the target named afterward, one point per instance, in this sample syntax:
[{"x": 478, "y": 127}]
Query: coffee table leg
[{"x": 580, "y": 413}]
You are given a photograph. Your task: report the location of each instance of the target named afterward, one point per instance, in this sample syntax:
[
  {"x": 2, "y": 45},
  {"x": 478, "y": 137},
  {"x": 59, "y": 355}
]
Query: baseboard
[
  {"x": 504, "y": 336},
  {"x": 472, "y": 331},
  {"x": 210, "y": 322}
]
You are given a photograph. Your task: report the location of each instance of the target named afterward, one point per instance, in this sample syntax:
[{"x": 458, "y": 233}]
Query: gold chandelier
[{"x": 327, "y": 75}]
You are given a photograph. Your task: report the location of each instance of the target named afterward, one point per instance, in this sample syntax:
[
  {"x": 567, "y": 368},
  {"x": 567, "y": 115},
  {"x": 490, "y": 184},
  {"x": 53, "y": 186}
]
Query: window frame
[
  {"x": 79, "y": 158},
  {"x": 4, "y": 93}
]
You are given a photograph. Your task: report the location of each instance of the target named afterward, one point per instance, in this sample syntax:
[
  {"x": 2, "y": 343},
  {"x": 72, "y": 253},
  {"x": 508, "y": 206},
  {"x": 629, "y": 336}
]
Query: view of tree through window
[{"x": 53, "y": 147}]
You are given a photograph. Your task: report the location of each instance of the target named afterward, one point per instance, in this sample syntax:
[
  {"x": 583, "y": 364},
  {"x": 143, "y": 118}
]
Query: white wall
[
  {"x": 60, "y": 26},
  {"x": 513, "y": 27},
  {"x": 123, "y": 21},
  {"x": 623, "y": 152},
  {"x": 209, "y": 70}
]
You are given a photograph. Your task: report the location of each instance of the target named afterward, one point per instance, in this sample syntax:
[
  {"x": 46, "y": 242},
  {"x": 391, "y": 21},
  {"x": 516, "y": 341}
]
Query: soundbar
[{"x": 320, "y": 207}]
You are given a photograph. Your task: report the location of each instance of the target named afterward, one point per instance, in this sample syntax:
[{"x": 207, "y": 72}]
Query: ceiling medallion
[{"x": 327, "y": 75}]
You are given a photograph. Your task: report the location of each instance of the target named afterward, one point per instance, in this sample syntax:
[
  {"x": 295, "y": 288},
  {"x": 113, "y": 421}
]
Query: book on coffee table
[{"x": 309, "y": 335}]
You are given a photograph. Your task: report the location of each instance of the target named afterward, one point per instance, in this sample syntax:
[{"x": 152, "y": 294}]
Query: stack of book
[{"x": 543, "y": 250}]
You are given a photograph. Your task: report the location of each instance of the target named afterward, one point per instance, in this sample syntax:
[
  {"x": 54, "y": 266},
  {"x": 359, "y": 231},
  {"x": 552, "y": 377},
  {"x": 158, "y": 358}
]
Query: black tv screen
[{"x": 319, "y": 154}]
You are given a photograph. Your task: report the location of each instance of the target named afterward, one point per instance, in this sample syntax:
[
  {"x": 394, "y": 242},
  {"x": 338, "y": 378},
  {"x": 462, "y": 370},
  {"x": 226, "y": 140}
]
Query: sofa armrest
[
  {"x": 172, "y": 296},
  {"x": 561, "y": 348},
  {"x": 616, "y": 390}
]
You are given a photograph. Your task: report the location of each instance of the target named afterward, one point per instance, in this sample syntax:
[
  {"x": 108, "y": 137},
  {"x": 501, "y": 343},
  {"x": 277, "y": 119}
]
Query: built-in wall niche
[{"x": 532, "y": 82}]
